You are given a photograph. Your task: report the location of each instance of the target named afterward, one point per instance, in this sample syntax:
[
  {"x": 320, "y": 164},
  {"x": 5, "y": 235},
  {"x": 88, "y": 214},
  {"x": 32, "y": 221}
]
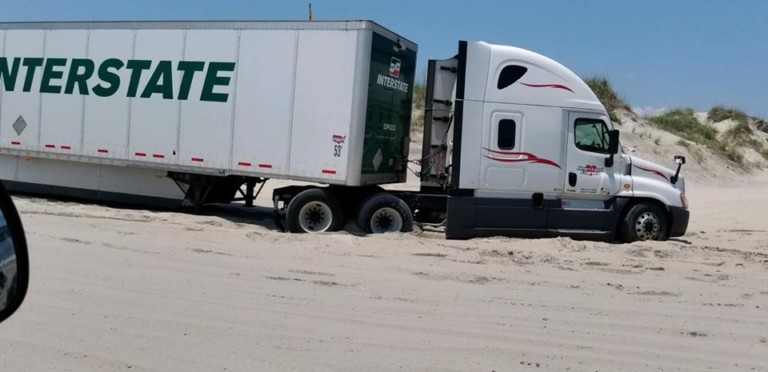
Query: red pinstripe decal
[
  {"x": 557, "y": 86},
  {"x": 329, "y": 171},
  {"x": 526, "y": 157},
  {"x": 158, "y": 156},
  {"x": 662, "y": 175}
]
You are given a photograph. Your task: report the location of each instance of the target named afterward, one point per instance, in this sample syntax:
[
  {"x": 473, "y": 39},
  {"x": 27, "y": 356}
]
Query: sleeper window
[
  {"x": 591, "y": 135},
  {"x": 506, "y": 139}
]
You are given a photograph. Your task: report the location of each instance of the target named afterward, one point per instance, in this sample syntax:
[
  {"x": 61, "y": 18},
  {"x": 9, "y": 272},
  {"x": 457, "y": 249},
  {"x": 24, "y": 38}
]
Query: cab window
[
  {"x": 506, "y": 138},
  {"x": 591, "y": 135}
]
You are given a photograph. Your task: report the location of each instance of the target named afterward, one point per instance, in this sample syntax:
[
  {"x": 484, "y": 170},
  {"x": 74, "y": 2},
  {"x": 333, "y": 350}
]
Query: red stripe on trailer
[
  {"x": 49, "y": 146},
  {"x": 158, "y": 156},
  {"x": 65, "y": 147},
  {"x": 15, "y": 143},
  {"x": 268, "y": 166},
  {"x": 103, "y": 151},
  {"x": 199, "y": 160},
  {"x": 141, "y": 154},
  {"x": 329, "y": 171},
  {"x": 244, "y": 164}
]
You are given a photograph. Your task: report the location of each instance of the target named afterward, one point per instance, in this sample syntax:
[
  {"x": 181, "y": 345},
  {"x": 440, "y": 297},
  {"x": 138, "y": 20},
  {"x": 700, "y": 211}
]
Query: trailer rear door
[{"x": 388, "y": 113}]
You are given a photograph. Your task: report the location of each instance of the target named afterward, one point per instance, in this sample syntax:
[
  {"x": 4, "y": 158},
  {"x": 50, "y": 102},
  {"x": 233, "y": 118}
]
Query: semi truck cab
[{"x": 524, "y": 148}]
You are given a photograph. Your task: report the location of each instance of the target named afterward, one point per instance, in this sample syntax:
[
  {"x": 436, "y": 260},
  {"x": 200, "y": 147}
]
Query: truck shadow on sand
[{"x": 235, "y": 213}]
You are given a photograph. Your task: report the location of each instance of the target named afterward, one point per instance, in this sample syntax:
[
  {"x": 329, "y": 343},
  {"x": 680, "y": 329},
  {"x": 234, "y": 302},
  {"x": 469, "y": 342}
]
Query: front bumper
[{"x": 679, "y": 223}]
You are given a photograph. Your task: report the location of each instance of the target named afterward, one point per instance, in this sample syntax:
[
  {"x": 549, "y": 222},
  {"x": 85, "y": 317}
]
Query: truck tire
[
  {"x": 644, "y": 221},
  {"x": 383, "y": 213},
  {"x": 314, "y": 211}
]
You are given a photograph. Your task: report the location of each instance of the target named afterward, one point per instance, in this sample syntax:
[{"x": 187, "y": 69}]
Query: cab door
[{"x": 587, "y": 174}]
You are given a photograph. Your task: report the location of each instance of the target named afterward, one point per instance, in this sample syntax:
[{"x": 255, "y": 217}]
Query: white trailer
[{"x": 515, "y": 144}]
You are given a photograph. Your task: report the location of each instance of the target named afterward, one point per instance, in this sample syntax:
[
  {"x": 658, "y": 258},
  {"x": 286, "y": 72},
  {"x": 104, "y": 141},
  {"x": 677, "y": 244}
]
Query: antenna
[{"x": 310, "y": 12}]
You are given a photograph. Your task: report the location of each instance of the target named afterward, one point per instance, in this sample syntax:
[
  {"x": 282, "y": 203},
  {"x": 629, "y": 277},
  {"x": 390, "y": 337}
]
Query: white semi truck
[{"x": 515, "y": 144}]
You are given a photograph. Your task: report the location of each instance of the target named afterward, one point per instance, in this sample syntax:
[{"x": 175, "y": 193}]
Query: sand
[{"x": 130, "y": 289}]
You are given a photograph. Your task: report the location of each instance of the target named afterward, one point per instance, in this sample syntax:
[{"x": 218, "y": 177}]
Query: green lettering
[
  {"x": 78, "y": 78},
  {"x": 136, "y": 67},
  {"x": 109, "y": 77},
  {"x": 50, "y": 74},
  {"x": 8, "y": 76},
  {"x": 160, "y": 82},
  {"x": 32, "y": 64},
  {"x": 189, "y": 69},
  {"x": 212, "y": 79}
]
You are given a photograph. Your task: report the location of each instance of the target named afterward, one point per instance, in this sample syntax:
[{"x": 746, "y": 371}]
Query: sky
[{"x": 657, "y": 53}]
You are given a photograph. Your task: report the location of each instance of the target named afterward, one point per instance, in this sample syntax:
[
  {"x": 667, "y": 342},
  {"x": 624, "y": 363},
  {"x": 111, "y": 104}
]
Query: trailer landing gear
[{"x": 202, "y": 189}]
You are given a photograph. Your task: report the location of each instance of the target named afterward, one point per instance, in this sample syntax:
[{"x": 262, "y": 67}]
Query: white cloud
[{"x": 649, "y": 111}]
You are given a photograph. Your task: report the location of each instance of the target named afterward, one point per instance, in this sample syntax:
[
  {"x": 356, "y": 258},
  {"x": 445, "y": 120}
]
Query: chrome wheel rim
[
  {"x": 315, "y": 217},
  {"x": 647, "y": 226},
  {"x": 386, "y": 220}
]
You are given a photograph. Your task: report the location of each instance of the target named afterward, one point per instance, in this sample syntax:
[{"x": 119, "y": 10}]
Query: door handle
[{"x": 572, "y": 179}]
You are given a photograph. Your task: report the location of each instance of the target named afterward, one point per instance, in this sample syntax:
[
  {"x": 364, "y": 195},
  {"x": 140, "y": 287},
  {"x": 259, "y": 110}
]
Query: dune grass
[
  {"x": 721, "y": 113},
  {"x": 683, "y": 123},
  {"x": 604, "y": 91},
  {"x": 419, "y": 96}
]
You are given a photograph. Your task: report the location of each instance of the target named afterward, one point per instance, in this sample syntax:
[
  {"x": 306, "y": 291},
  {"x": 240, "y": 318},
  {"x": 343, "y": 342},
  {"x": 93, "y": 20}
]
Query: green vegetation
[
  {"x": 419, "y": 97},
  {"x": 694, "y": 150},
  {"x": 602, "y": 88},
  {"x": 761, "y": 124},
  {"x": 720, "y": 113},
  {"x": 683, "y": 123},
  {"x": 740, "y": 135}
]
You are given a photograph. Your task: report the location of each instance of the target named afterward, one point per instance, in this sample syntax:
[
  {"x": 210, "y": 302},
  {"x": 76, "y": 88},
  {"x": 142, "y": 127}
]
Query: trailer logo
[
  {"x": 206, "y": 81},
  {"x": 590, "y": 170},
  {"x": 393, "y": 80},
  {"x": 394, "y": 68}
]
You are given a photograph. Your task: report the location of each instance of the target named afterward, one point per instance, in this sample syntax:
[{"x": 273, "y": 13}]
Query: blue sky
[{"x": 657, "y": 53}]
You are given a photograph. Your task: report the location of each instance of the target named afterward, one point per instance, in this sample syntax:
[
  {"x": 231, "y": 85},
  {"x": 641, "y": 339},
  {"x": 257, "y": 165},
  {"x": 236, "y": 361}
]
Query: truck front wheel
[
  {"x": 314, "y": 211},
  {"x": 383, "y": 213},
  {"x": 644, "y": 222}
]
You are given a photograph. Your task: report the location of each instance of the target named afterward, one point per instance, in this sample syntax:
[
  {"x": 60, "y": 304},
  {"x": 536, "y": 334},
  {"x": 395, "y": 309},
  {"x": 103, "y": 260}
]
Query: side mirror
[
  {"x": 679, "y": 160},
  {"x": 14, "y": 260},
  {"x": 613, "y": 146},
  {"x": 613, "y": 142}
]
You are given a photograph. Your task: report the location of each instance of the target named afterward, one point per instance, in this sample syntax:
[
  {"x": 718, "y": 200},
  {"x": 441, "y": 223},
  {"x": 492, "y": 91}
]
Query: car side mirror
[
  {"x": 613, "y": 141},
  {"x": 14, "y": 260}
]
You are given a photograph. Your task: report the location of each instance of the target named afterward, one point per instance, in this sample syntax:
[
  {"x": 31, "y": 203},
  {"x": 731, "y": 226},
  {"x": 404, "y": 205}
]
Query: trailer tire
[
  {"x": 314, "y": 211},
  {"x": 383, "y": 213},
  {"x": 644, "y": 221}
]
